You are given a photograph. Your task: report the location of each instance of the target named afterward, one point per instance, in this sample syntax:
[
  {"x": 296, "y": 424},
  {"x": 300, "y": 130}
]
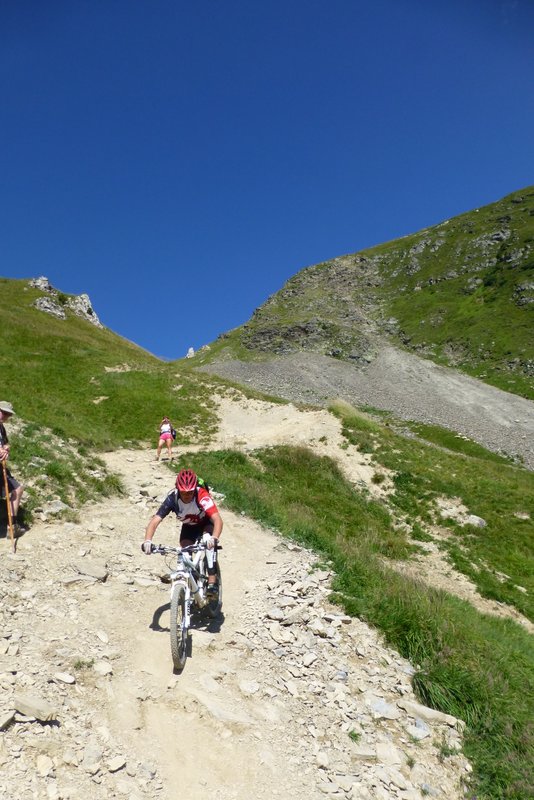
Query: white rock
[
  {"x": 417, "y": 733},
  {"x": 6, "y": 718},
  {"x": 93, "y": 569},
  {"x": 478, "y": 522},
  {"x": 427, "y": 714},
  {"x": 103, "y": 668},
  {"x": 115, "y": 764},
  {"x": 45, "y": 765},
  {"x": 33, "y": 706},
  {"x": 249, "y": 687},
  {"x": 387, "y": 753},
  {"x": 64, "y": 677}
]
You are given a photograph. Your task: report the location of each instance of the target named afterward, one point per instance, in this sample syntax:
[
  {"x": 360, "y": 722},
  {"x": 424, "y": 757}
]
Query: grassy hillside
[
  {"x": 88, "y": 383},
  {"x": 460, "y": 293},
  {"x": 77, "y": 388},
  {"x": 463, "y": 291}
]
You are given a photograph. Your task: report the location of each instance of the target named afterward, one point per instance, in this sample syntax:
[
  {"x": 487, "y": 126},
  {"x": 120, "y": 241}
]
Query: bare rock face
[
  {"x": 50, "y": 307},
  {"x": 79, "y": 304},
  {"x": 42, "y": 283},
  {"x": 82, "y": 307}
]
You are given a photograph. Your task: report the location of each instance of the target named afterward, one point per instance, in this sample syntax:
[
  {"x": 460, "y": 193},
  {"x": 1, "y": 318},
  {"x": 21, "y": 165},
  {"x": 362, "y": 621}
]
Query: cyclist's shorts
[{"x": 192, "y": 533}]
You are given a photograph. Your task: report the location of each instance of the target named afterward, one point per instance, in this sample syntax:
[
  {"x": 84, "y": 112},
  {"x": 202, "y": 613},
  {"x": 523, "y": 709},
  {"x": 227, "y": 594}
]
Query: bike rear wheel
[
  {"x": 178, "y": 627},
  {"x": 214, "y": 603}
]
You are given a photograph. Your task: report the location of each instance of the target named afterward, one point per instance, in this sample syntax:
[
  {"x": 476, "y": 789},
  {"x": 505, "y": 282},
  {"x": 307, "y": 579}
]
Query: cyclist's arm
[
  {"x": 151, "y": 527},
  {"x": 217, "y": 525}
]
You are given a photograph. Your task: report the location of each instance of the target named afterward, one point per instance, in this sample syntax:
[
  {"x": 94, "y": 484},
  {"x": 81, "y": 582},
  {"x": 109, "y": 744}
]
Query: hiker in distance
[
  {"x": 14, "y": 487},
  {"x": 166, "y": 435},
  {"x": 196, "y": 510}
]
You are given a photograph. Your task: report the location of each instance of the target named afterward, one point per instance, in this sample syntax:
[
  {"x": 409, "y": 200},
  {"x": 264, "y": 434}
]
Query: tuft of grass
[
  {"x": 82, "y": 663},
  {"x": 53, "y": 468}
]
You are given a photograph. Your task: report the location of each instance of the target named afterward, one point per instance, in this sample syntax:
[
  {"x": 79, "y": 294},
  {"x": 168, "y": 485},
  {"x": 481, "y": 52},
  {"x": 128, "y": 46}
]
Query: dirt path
[{"x": 281, "y": 696}]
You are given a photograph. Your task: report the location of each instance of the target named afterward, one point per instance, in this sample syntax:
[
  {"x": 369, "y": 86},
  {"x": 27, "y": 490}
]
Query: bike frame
[{"x": 186, "y": 573}]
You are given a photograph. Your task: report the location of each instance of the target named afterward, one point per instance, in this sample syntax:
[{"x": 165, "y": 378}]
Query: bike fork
[{"x": 186, "y": 622}]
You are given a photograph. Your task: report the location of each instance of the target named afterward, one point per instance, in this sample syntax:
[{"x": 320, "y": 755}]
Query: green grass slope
[
  {"x": 78, "y": 389},
  {"x": 460, "y": 293},
  {"x": 463, "y": 291},
  {"x": 70, "y": 376}
]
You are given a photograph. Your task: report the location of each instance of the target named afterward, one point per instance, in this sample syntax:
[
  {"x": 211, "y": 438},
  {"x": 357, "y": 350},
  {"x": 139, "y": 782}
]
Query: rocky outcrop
[
  {"x": 56, "y": 303},
  {"x": 50, "y": 307},
  {"x": 82, "y": 307}
]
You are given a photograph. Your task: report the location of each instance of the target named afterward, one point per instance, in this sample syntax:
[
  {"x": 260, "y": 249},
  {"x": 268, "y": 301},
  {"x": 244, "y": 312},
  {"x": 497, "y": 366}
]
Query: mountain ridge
[{"x": 460, "y": 293}]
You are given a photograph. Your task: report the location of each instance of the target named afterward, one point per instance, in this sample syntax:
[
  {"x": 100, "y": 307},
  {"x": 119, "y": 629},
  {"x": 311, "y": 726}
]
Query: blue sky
[{"x": 180, "y": 161}]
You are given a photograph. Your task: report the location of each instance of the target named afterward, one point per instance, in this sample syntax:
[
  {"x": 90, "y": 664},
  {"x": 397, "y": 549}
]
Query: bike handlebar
[{"x": 163, "y": 549}]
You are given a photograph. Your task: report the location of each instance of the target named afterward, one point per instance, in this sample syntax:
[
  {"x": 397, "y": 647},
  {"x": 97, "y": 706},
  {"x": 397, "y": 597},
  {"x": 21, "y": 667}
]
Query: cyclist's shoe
[
  {"x": 212, "y": 590},
  {"x": 165, "y": 578}
]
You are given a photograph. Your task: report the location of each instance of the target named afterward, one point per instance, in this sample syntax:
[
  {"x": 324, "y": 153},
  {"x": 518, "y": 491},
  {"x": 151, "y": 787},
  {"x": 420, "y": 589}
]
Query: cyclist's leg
[{"x": 211, "y": 556}]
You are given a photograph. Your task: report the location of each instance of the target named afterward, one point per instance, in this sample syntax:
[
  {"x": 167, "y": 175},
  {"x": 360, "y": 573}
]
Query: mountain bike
[{"x": 189, "y": 584}]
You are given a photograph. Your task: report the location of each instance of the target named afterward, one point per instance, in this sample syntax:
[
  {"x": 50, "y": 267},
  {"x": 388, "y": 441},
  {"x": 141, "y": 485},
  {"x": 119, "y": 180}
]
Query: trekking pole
[{"x": 8, "y": 504}]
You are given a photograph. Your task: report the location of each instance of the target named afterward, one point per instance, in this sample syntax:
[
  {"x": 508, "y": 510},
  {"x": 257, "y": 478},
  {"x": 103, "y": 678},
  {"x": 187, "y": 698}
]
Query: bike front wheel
[{"x": 178, "y": 627}]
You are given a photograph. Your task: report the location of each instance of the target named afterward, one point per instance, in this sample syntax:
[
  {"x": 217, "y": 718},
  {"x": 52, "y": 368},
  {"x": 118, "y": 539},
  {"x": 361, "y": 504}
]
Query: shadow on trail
[
  {"x": 158, "y": 613},
  {"x": 200, "y": 620}
]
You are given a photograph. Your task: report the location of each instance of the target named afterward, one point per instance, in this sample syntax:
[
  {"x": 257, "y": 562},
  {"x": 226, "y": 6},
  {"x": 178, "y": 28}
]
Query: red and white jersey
[{"x": 193, "y": 513}]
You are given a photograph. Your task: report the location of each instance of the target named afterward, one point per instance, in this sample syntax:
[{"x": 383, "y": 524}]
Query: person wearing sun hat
[{"x": 15, "y": 488}]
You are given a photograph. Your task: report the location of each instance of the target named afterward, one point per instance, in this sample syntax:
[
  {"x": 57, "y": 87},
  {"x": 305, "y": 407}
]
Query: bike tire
[
  {"x": 177, "y": 626},
  {"x": 214, "y": 606}
]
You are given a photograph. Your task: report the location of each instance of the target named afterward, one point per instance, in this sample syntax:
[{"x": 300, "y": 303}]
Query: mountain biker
[{"x": 196, "y": 510}]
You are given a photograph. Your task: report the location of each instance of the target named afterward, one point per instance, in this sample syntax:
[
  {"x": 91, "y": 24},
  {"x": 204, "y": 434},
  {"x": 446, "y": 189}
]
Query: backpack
[
  {"x": 173, "y": 433},
  {"x": 201, "y": 483}
]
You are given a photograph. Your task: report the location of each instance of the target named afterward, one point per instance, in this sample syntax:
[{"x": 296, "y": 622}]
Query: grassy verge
[
  {"x": 480, "y": 669},
  {"x": 498, "y": 558},
  {"x": 52, "y": 468}
]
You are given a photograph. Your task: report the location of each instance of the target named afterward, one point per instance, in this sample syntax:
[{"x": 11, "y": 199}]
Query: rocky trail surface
[{"x": 281, "y": 696}]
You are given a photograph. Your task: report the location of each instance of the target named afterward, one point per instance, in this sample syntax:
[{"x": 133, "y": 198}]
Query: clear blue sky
[{"x": 179, "y": 161}]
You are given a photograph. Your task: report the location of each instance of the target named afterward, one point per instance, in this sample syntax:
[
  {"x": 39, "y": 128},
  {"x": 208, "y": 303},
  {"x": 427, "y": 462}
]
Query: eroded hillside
[{"x": 460, "y": 293}]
